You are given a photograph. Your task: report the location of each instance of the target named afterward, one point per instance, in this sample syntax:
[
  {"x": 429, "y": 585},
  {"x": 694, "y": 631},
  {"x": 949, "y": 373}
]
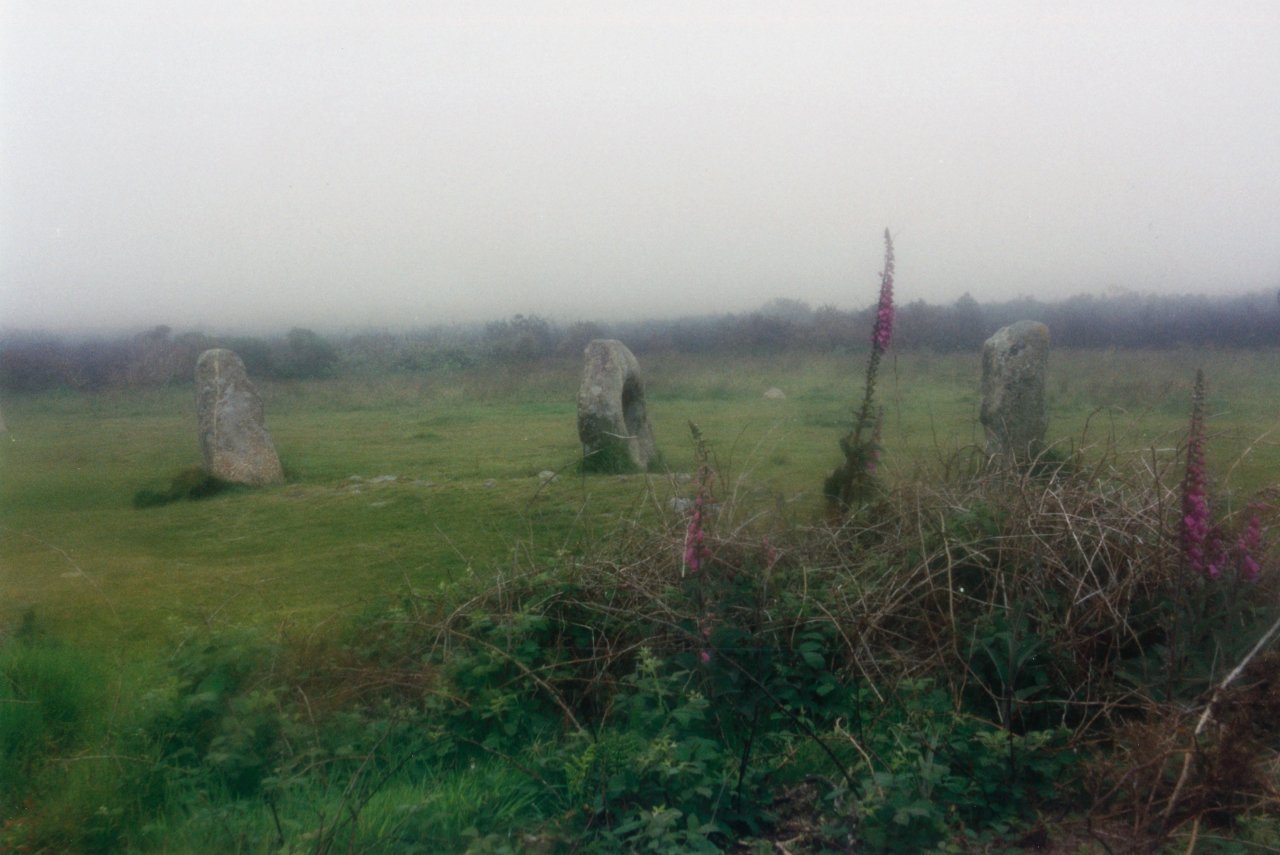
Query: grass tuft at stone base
[{"x": 190, "y": 483}]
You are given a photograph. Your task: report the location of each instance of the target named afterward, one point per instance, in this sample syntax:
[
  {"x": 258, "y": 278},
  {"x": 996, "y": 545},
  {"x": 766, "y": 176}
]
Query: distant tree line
[
  {"x": 153, "y": 358},
  {"x": 158, "y": 357}
]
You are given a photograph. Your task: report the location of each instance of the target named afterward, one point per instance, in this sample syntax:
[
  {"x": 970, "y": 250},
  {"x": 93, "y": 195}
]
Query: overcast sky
[{"x": 340, "y": 164}]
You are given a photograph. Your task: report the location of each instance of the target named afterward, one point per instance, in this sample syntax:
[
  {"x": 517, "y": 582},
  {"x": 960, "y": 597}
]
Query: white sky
[{"x": 337, "y": 164}]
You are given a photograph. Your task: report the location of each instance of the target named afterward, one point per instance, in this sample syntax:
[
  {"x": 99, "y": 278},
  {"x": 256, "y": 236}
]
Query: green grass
[
  {"x": 466, "y": 448},
  {"x": 424, "y": 814}
]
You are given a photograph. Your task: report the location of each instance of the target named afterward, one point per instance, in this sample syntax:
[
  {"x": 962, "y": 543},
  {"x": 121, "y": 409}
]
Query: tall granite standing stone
[
  {"x": 613, "y": 423},
  {"x": 1013, "y": 405},
  {"x": 233, "y": 432}
]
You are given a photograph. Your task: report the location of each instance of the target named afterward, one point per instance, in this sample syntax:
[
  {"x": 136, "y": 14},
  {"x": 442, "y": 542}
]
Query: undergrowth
[{"x": 944, "y": 670}]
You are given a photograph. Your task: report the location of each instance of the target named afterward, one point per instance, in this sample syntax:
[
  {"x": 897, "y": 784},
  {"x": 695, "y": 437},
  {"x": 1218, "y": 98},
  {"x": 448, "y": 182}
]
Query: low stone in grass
[
  {"x": 613, "y": 423},
  {"x": 1013, "y": 411},
  {"x": 233, "y": 431}
]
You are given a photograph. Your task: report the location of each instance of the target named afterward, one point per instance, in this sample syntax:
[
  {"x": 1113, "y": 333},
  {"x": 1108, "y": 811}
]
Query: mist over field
[{"x": 349, "y": 165}]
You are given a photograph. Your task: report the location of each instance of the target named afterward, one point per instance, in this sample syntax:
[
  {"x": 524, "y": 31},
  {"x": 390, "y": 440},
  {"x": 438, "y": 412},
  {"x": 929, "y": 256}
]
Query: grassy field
[
  {"x": 192, "y": 677},
  {"x": 403, "y": 481}
]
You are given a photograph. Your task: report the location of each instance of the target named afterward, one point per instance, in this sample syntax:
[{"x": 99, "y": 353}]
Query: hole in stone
[{"x": 632, "y": 406}]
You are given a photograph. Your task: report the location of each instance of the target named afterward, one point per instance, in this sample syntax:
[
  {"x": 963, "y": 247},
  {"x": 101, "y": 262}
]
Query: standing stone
[
  {"x": 233, "y": 432},
  {"x": 613, "y": 423},
  {"x": 1013, "y": 406}
]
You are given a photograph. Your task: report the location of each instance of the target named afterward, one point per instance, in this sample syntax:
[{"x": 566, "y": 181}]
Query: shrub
[
  {"x": 222, "y": 723},
  {"x": 303, "y": 354}
]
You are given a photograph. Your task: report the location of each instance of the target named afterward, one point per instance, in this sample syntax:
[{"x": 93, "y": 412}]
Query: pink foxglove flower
[
  {"x": 695, "y": 549},
  {"x": 705, "y": 625},
  {"x": 1200, "y": 541},
  {"x": 1248, "y": 546},
  {"x": 853, "y": 478},
  {"x": 770, "y": 553},
  {"x": 882, "y": 332}
]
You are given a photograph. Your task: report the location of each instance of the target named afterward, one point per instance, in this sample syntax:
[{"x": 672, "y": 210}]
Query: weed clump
[
  {"x": 608, "y": 459},
  {"x": 615, "y": 459},
  {"x": 192, "y": 483}
]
